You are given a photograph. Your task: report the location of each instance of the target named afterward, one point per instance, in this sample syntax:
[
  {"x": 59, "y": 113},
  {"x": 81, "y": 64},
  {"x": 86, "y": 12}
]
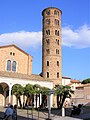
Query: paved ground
[{"x": 56, "y": 115}]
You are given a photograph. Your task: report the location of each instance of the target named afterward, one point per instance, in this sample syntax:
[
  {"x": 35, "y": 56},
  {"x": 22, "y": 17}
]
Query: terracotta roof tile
[
  {"x": 75, "y": 81},
  {"x": 21, "y": 76},
  {"x": 66, "y": 77}
]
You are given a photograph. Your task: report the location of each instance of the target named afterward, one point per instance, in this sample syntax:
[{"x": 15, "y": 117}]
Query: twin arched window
[{"x": 11, "y": 65}]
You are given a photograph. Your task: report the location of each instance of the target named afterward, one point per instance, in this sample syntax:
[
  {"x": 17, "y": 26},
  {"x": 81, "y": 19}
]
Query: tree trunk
[
  {"x": 20, "y": 102},
  {"x": 63, "y": 99}
]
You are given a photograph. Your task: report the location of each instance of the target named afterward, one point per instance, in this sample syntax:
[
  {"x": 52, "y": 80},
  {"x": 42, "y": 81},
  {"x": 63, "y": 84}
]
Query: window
[
  {"x": 56, "y": 22},
  {"x": 13, "y": 54},
  {"x": 10, "y": 53},
  {"x": 57, "y": 32},
  {"x": 57, "y": 74},
  {"x": 14, "y": 66},
  {"x": 48, "y": 12},
  {"x": 57, "y": 63},
  {"x": 55, "y": 12},
  {"x": 48, "y": 32},
  {"x": 48, "y": 51},
  {"x": 57, "y": 42},
  {"x": 47, "y": 41},
  {"x": 47, "y": 74},
  {"x": 9, "y": 65},
  {"x": 57, "y": 51},
  {"x": 48, "y": 21},
  {"x": 47, "y": 63}
]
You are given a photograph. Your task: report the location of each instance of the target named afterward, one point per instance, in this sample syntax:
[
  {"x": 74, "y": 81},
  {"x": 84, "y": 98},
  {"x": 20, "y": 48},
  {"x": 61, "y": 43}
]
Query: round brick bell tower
[{"x": 51, "y": 45}]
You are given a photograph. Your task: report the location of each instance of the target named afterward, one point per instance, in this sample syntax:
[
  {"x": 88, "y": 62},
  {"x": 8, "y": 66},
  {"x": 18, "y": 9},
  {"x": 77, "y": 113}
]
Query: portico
[{"x": 7, "y": 82}]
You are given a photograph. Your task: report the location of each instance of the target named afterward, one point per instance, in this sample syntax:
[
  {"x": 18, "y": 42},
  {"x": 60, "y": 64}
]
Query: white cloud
[
  {"x": 79, "y": 38},
  {"x": 22, "y": 38}
]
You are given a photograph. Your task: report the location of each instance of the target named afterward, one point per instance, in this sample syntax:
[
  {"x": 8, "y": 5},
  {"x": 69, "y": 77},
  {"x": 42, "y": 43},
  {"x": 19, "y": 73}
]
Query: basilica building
[{"x": 16, "y": 64}]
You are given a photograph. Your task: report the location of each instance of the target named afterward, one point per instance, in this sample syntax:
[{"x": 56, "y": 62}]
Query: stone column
[
  {"x": 10, "y": 88},
  {"x": 4, "y": 95}
]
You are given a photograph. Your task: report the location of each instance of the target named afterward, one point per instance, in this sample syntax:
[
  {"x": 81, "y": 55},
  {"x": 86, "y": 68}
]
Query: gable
[{"x": 12, "y": 47}]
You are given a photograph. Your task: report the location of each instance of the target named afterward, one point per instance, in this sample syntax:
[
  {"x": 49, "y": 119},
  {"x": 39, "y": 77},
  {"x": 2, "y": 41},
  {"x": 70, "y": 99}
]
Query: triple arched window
[{"x": 11, "y": 65}]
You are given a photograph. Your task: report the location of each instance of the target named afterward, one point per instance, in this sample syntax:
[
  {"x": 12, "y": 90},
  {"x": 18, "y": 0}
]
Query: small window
[
  {"x": 47, "y": 63},
  {"x": 48, "y": 21},
  {"x": 57, "y": 32},
  {"x": 48, "y": 32},
  {"x": 47, "y": 74},
  {"x": 57, "y": 74},
  {"x": 56, "y": 22},
  {"x": 57, "y": 51},
  {"x": 48, "y": 41},
  {"x": 9, "y": 65},
  {"x": 14, "y": 66},
  {"x": 48, "y": 51},
  {"x": 57, "y": 63},
  {"x": 10, "y": 53},
  {"x": 48, "y": 12},
  {"x": 55, "y": 12},
  {"x": 13, "y": 54},
  {"x": 57, "y": 42}
]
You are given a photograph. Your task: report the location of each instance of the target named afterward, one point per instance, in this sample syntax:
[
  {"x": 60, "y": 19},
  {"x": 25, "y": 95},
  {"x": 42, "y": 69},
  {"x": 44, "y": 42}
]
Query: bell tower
[{"x": 51, "y": 45}]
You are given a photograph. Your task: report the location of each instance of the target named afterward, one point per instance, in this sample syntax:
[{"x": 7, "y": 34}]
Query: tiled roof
[
  {"x": 75, "y": 81},
  {"x": 70, "y": 84},
  {"x": 21, "y": 76},
  {"x": 64, "y": 77},
  {"x": 83, "y": 85}
]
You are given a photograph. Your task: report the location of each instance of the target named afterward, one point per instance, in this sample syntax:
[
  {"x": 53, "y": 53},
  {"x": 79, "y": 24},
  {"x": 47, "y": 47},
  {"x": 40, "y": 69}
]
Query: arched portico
[{"x": 7, "y": 84}]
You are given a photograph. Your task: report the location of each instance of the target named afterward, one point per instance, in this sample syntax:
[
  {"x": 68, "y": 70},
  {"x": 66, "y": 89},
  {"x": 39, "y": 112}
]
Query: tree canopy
[
  {"x": 62, "y": 93},
  {"x": 86, "y": 81}
]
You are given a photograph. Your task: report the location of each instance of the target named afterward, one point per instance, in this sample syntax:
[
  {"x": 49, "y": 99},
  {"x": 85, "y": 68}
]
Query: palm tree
[
  {"x": 29, "y": 92},
  {"x": 62, "y": 93},
  {"x": 44, "y": 91},
  {"x": 17, "y": 90}
]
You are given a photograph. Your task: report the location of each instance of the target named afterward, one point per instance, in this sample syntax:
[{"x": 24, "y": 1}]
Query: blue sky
[{"x": 21, "y": 24}]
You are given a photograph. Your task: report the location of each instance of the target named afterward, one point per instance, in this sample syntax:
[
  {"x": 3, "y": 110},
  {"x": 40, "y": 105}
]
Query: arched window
[
  {"x": 47, "y": 74},
  {"x": 47, "y": 63},
  {"x": 56, "y": 22},
  {"x": 48, "y": 41},
  {"x": 14, "y": 66},
  {"x": 48, "y": 12},
  {"x": 57, "y": 51},
  {"x": 57, "y": 32},
  {"x": 57, "y": 74},
  {"x": 48, "y": 51},
  {"x": 48, "y": 21},
  {"x": 48, "y": 32},
  {"x": 9, "y": 65},
  {"x": 57, "y": 63},
  {"x": 55, "y": 12},
  {"x": 57, "y": 42}
]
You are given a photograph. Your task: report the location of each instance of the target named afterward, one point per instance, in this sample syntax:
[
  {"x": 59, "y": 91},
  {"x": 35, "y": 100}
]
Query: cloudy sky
[{"x": 21, "y": 24}]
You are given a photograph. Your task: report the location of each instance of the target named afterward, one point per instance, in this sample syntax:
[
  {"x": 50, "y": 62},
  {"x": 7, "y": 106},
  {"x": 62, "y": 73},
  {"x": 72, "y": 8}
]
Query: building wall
[
  {"x": 23, "y": 61},
  {"x": 81, "y": 96},
  {"x": 65, "y": 81}
]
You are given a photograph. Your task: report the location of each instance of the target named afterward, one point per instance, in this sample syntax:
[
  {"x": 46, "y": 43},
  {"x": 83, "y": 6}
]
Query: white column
[
  {"x": 63, "y": 111},
  {"x": 51, "y": 100},
  {"x": 9, "y": 94},
  {"x": 40, "y": 98},
  {"x": 4, "y": 95},
  {"x": 37, "y": 100}
]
